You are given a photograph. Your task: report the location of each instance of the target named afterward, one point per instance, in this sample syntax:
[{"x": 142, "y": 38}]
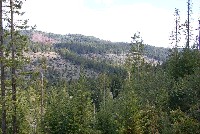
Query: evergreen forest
[{"x": 77, "y": 84}]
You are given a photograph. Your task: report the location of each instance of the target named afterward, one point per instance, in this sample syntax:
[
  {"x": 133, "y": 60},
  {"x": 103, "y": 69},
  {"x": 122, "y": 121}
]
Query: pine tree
[
  {"x": 13, "y": 58},
  {"x": 13, "y": 70},
  {"x": 137, "y": 53},
  {"x": 3, "y": 101}
]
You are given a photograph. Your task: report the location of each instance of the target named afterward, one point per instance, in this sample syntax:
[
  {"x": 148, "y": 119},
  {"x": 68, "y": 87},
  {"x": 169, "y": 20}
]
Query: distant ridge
[{"x": 158, "y": 53}]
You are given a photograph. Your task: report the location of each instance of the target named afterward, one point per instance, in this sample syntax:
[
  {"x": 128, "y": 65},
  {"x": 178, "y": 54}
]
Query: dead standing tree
[
  {"x": 199, "y": 35},
  {"x": 188, "y": 27}
]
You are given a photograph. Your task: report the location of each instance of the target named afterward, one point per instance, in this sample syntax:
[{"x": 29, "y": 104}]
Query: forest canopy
[{"x": 68, "y": 84}]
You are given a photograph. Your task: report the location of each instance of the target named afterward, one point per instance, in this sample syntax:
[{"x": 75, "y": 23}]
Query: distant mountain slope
[
  {"x": 82, "y": 44},
  {"x": 68, "y": 56}
]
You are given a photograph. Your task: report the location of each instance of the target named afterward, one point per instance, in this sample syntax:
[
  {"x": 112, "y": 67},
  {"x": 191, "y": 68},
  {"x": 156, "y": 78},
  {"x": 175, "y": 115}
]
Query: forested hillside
[
  {"x": 77, "y": 84},
  {"x": 77, "y": 54},
  {"x": 82, "y": 44}
]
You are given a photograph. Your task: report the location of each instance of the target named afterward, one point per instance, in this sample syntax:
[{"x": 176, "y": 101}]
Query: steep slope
[
  {"x": 82, "y": 44},
  {"x": 69, "y": 55}
]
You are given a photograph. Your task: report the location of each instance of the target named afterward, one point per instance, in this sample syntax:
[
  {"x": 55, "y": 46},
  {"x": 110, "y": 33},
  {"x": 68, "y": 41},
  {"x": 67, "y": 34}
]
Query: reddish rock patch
[{"x": 37, "y": 37}]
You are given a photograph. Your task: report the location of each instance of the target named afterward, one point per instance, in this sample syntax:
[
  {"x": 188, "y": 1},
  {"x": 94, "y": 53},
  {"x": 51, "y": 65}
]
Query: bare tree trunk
[
  {"x": 176, "y": 13},
  {"x": 199, "y": 35},
  {"x": 177, "y": 30},
  {"x": 3, "y": 94},
  {"x": 42, "y": 95},
  {"x": 104, "y": 91},
  {"x": 13, "y": 70},
  {"x": 188, "y": 25}
]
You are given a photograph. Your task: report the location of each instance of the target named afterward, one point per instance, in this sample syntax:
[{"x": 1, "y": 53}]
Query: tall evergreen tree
[
  {"x": 3, "y": 101},
  {"x": 14, "y": 48},
  {"x": 137, "y": 53},
  {"x": 13, "y": 69}
]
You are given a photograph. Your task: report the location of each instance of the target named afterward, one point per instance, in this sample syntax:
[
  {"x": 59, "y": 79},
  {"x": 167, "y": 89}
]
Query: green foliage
[
  {"x": 106, "y": 122},
  {"x": 116, "y": 85},
  {"x": 56, "y": 118},
  {"x": 147, "y": 121},
  {"x": 101, "y": 67},
  {"x": 100, "y": 90},
  {"x": 184, "y": 69},
  {"x": 182, "y": 96},
  {"x": 183, "y": 124},
  {"x": 81, "y": 44},
  {"x": 184, "y": 63},
  {"x": 151, "y": 99},
  {"x": 69, "y": 111},
  {"x": 126, "y": 107}
]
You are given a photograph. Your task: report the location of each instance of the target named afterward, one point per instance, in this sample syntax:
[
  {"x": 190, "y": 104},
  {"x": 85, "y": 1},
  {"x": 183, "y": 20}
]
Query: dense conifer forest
[{"x": 77, "y": 84}]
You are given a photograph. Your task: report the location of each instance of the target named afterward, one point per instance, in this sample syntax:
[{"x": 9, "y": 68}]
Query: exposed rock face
[
  {"x": 37, "y": 37},
  {"x": 57, "y": 66}
]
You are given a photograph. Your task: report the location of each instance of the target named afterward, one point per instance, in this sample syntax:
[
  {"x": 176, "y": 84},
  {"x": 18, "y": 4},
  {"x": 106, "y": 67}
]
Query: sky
[{"x": 114, "y": 20}]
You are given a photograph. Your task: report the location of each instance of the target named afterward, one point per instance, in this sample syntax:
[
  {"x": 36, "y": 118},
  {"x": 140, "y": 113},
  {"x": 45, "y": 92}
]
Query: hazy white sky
[{"x": 115, "y": 20}]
